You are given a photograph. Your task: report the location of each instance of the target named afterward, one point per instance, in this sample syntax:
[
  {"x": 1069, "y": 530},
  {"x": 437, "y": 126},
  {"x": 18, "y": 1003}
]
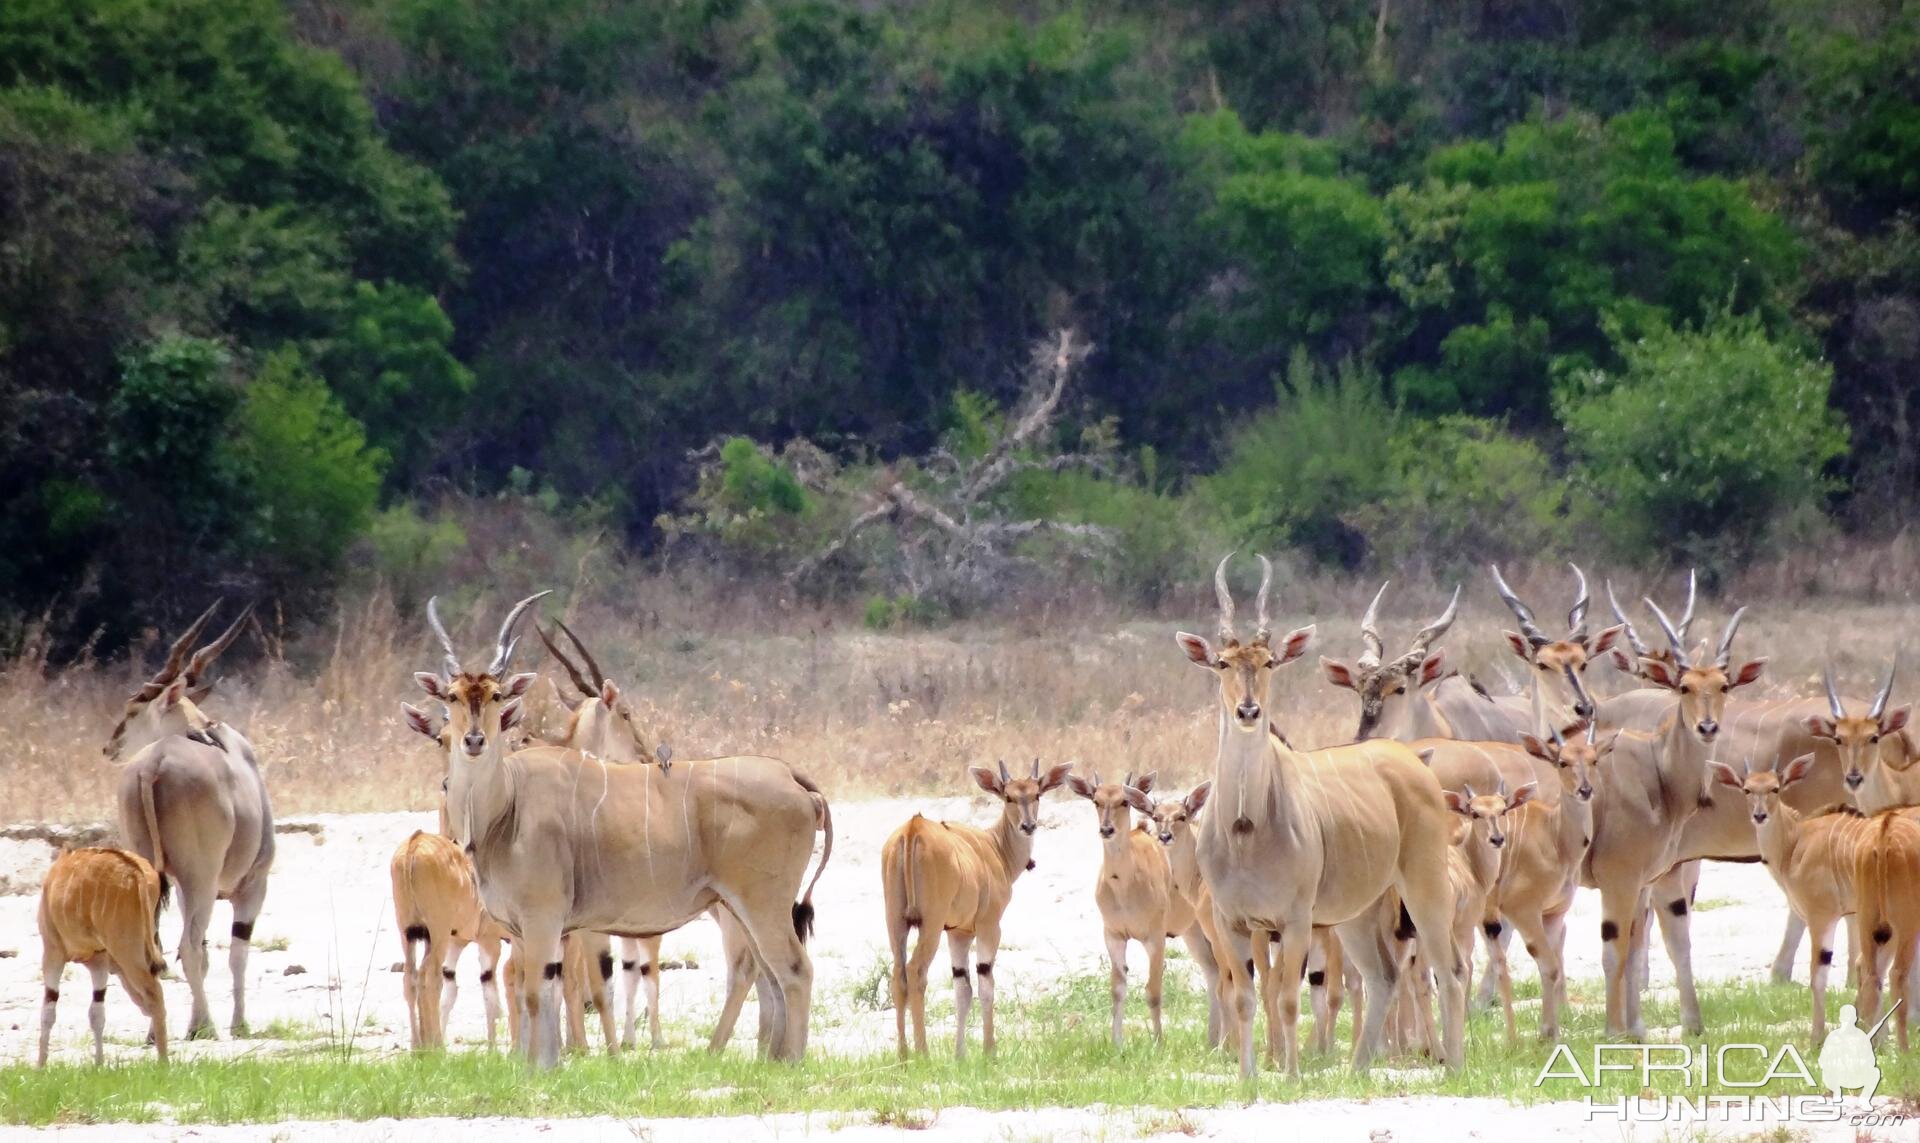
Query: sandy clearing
[{"x": 330, "y": 903}]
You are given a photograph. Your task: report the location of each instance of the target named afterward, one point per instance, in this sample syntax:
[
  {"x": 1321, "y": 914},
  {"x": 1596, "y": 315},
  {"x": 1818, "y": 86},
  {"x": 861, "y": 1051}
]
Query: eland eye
[
  {"x": 1872, "y": 739},
  {"x": 1686, "y": 688},
  {"x": 1724, "y": 688}
]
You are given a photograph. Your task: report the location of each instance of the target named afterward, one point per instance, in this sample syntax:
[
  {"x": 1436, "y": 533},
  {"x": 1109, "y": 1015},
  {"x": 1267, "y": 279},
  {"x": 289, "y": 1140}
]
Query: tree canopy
[{"x": 276, "y": 281}]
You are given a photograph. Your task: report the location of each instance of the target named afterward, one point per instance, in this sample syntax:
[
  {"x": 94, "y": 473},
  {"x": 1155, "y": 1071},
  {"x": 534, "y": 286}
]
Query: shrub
[
  {"x": 1156, "y": 537},
  {"x": 1704, "y": 438},
  {"x": 1295, "y": 474},
  {"x": 312, "y": 479},
  {"x": 412, "y": 551},
  {"x": 1466, "y": 491},
  {"x": 750, "y": 505}
]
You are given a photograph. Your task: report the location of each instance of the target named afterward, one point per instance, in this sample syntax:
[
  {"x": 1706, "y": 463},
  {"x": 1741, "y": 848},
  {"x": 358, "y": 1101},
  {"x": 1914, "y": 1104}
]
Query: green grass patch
[{"x": 1054, "y": 1052}]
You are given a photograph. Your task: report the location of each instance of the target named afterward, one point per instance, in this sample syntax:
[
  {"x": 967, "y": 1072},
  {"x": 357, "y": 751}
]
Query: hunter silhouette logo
[{"x": 1846, "y": 1059}]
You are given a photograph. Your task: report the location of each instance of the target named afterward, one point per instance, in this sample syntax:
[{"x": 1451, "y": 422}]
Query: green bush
[
  {"x": 312, "y": 479},
  {"x": 749, "y": 506},
  {"x": 412, "y": 551},
  {"x": 752, "y": 483},
  {"x": 1704, "y": 439},
  {"x": 1295, "y": 474},
  {"x": 1158, "y": 540},
  {"x": 1466, "y": 491}
]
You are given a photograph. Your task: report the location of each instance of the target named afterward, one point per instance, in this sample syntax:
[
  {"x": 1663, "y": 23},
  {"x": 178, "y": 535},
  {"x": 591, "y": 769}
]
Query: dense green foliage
[
  {"x": 1703, "y": 434},
  {"x": 276, "y": 280}
]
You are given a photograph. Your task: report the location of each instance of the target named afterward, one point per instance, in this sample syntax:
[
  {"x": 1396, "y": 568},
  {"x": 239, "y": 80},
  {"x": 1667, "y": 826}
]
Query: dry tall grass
[{"x": 724, "y": 671}]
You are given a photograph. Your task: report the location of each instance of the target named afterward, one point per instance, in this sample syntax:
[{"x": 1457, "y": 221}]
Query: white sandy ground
[{"x": 331, "y": 903}]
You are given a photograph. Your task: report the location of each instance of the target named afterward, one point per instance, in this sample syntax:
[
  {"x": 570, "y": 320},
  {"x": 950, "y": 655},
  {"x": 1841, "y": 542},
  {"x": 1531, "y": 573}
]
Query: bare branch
[{"x": 1052, "y": 367}]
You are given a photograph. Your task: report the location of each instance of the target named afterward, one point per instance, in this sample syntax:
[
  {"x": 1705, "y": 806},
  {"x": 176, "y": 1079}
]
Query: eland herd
[{"x": 1364, "y": 869}]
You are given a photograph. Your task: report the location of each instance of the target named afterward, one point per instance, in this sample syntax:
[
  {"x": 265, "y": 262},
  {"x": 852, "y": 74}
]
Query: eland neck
[
  {"x": 1014, "y": 844},
  {"x": 1779, "y": 835},
  {"x": 1250, "y": 779},
  {"x": 478, "y": 792}
]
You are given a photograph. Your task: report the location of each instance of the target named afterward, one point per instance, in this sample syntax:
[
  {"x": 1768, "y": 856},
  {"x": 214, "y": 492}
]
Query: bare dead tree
[{"x": 954, "y": 536}]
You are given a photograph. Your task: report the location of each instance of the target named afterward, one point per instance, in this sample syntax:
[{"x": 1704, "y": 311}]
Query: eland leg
[{"x": 247, "y": 901}]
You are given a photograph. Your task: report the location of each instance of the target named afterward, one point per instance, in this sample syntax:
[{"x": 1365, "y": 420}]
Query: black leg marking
[
  {"x": 984, "y": 968},
  {"x": 629, "y": 965},
  {"x": 1491, "y": 928},
  {"x": 1678, "y": 908},
  {"x": 1609, "y": 931},
  {"x": 243, "y": 930},
  {"x": 959, "y": 973},
  {"x": 1404, "y": 930},
  {"x": 646, "y": 970},
  {"x": 1826, "y": 956},
  {"x": 1882, "y": 935},
  {"x": 99, "y": 996},
  {"x": 1317, "y": 978},
  {"x": 446, "y": 973},
  {"x": 552, "y": 971},
  {"x": 486, "y": 977},
  {"x": 416, "y": 933},
  {"x": 53, "y": 994},
  {"x": 1249, "y": 968},
  {"x": 606, "y": 966}
]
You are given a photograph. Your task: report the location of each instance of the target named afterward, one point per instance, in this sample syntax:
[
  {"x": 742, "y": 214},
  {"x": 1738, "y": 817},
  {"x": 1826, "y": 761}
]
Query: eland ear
[
  {"x": 1819, "y": 725},
  {"x": 1896, "y": 720},
  {"x": 520, "y": 683},
  {"x": 1426, "y": 757},
  {"x": 1660, "y": 673},
  {"x": 511, "y": 714},
  {"x": 1749, "y": 672},
  {"x": 1456, "y": 801},
  {"x": 1144, "y": 784},
  {"x": 1725, "y": 775},
  {"x": 1056, "y": 776},
  {"x": 419, "y": 721},
  {"x": 1137, "y": 798},
  {"x": 1607, "y": 638},
  {"x": 1430, "y": 667},
  {"x": 1536, "y": 747},
  {"x": 1079, "y": 785},
  {"x": 1197, "y": 797},
  {"x": 986, "y": 779},
  {"x": 609, "y": 694},
  {"x": 1523, "y": 795},
  {"x": 1519, "y": 644},
  {"x": 1338, "y": 673},
  {"x": 431, "y": 683},
  {"x": 1796, "y": 770},
  {"x": 1295, "y": 644},
  {"x": 1198, "y": 650},
  {"x": 175, "y": 692}
]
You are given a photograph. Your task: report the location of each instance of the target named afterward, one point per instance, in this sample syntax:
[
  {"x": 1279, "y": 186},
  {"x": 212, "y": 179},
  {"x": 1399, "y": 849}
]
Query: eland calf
[
  {"x": 946, "y": 877},
  {"x": 101, "y": 907}
]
